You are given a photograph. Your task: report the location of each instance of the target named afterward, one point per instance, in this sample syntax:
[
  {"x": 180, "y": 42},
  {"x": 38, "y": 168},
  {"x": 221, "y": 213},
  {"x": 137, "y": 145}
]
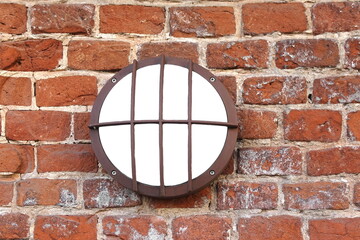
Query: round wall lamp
[{"x": 164, "y": 127}]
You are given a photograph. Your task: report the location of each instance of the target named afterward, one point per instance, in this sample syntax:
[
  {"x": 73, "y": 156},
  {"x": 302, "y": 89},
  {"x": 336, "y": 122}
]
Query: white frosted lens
[
  {"x": 147, "y": 93},
  {"x": 116, "y": 143},
  {"x": 175, "y": 92},
  {"x": 207, "y": 143},
  {"x": 206, "y": 102},
  {"x": 147, "y": 154},
  {"x": 175, "y": 141},
  {"x": 117, "y": 104}
]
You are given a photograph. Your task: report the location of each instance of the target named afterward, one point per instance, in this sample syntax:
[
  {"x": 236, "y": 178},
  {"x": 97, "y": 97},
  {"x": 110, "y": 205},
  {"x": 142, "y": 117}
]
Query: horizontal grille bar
[{"x": 115, "y": 123}]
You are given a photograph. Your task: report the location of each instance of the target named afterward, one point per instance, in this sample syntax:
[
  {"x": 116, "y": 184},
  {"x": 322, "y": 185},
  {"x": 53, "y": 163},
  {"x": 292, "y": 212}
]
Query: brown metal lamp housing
[{"x": 163, "y": 127}]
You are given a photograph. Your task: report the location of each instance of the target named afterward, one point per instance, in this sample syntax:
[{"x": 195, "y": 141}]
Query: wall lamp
[{"x": 163, "y": 127}]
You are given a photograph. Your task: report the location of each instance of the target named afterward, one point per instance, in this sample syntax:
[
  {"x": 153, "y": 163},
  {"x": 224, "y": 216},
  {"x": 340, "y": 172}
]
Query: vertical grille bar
[
  {"x": 132, "y": 122},
  {"x": 190, "y": 126},
  {"x": 161, "y": 147}
]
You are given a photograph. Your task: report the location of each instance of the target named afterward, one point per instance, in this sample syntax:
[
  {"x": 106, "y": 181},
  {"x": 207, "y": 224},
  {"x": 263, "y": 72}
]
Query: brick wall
[{"x": 290, "y": 66}]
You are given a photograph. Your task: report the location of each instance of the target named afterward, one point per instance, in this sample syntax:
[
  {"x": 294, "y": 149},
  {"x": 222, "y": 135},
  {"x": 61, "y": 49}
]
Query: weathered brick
[
  {"x": 246, "y": 195},
  {"x": 81, "y": 123},
  {"x": 62, "y": 18},
  {"x": 334, "y": 229},
  {"x": 352, "y": 53},
  {"x": 202, "y": 21},
  {"x": 255, "y": 124},
  {"x": 30, "y": 55},
  {"x": 344, "y": 89},
  {"x": 316, "y": 195},
  {"x": 335, "y": 17},
  {"x": 353, "y": 126},
  {"x": 357, "y": 194},
  {"x": 259, "y": 18},
  {"x": 270, "y": 228},
  {"x": 105, "y": 193},
  {"x": 135, "y": 227},
  {"x": 131, "y": 19},
  {"x": 31, "y": 192},
  {"x": 7, "y": 191},
  {"x": 15, "y": 91},
  {"x": 16, "y": 158},
  {"x": 333, "y": 161},
  {"x": 270, "y": 161},
  {"x": 230, "y": 84},
  {"x": 12, "y": 18},
  {"x": 65, "y": 91},
  {"x": 98, "y": 55},
  {"x": 66, "y": 158},
  {"x": 274, "y": 90},
  {"x": 309, "y": 53},
  {"x": 196, "y": 200},
  {"x": 173, "y": 49},
  {"x": 37, "y": 125},
  {"x": 247, "y": 54},
  {"x": 312, "y": 125},
  {"x": 14, "y": 226},
  {"x": 65, "y": 227},
  {"x": 184, "y": 228}
]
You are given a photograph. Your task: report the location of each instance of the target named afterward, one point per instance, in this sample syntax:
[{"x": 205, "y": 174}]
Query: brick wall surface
[{"x": 290, "y": 66}]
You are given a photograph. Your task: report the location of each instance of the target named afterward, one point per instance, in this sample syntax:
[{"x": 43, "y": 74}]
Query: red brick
[
  {"x": 316, "y": 195},
  {"x": 62, "y": 18},
  {"x": 45, "y": 191},
  {"x": 247, "y": 54},
  {"x": 14, "y": 226},
  {"x": 255, "y": 124},
  {"x": 12, "y": 18},
  {"x": 134, "y": 227},
  {"x": 66, "y": 158},
  {"x": 196, "y": 200},
  {"x": 16, "y": 158},
  {"x": 81, "y": 123},
  {"x": 270, "y": 228},
  {"x": 246, "y": 195},
  {"x": 105, "y": 193},
  {"x": 30, "y": 55},
  {"x": 270, "y": 161},
  {"x": 353, "y": 126},
  {"x": 15, "y": 91},
  {"x": 309, "y": 53},
  {"x": 202, "y": 21},
  {"x": 312, "y": 125},
  {"x": 259, "y": 18},
  {"x": 352, "y": 53},
  {"x": 334, "y": 229},
  {"x": 37, "y": 125},
  {"x": 131, "y": 19},
  {"x": 357, "y": 194},
  {"x": 333, "y": 161},
  {"x": 230, "y": 84},
  {"x": 7, "y": 191},
  {"x": 66, "y": 91},
  {"x": 98, "y": 55},
  {"x": 335, "y": 17},
  {"x": 274, "y": 90},
  {"x": 344, "y": 89},
  {"x": 173, "y": 49},
  {"x": 201, "y": 227},
  {"x": 65, "y": 227}
]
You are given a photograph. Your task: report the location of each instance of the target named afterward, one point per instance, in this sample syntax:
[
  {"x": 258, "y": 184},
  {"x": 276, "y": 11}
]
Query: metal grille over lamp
[{"x": 163, "y": 127}]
